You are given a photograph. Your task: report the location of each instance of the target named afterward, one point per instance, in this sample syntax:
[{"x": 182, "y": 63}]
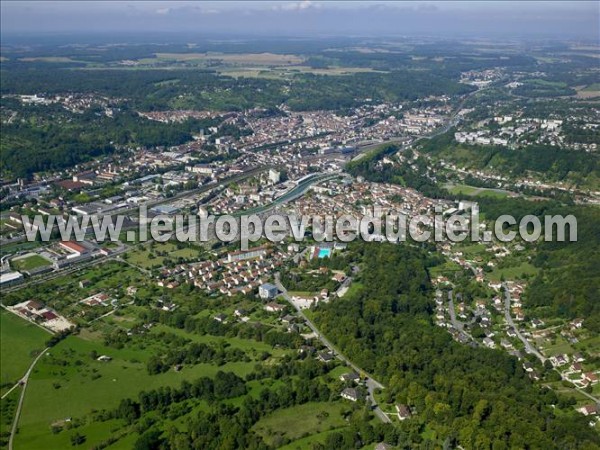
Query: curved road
[
  {"x": 529, "y": 347},
  {"x": 371, "y": 383}
]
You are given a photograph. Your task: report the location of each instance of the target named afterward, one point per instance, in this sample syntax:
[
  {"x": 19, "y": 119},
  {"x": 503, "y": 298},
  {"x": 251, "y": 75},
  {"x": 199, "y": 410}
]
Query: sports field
[{"x": 30, "y": 262}]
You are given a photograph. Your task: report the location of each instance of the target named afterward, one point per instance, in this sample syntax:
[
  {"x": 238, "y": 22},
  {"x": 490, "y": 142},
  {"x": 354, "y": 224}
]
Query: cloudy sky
[{"x": 557, "y": 19}]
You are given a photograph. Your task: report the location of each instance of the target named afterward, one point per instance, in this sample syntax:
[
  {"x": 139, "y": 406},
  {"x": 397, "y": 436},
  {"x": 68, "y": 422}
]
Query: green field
[
  {"x": 248, "y": 346},
  {"x": 8, "y": 407},
  {"x": 300, "y": 421},
  {"x": 158, "y": 253},
  {"x": 514, "y": 272},
  {"x": 21, "y": 341},
  {"x": 67, "y": 383},
  {"x": 308, "y": 442},
  {"x": 471, "y": 251},
  {"x": 30, "y": 262},
  {"x": 472, "y": 191},
  {"x": 560, "y": 346},
  {"x": 545, "y": 83},
  {"x": 592, "y": 87},
  {"x": 446, "y": 269}
]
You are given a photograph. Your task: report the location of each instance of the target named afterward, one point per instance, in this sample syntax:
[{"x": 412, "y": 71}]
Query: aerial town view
[{"x": 299, "y": 225}]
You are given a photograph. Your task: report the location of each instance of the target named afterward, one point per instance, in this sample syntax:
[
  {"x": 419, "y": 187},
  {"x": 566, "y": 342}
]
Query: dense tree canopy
[{"x": 473, "y": 397}]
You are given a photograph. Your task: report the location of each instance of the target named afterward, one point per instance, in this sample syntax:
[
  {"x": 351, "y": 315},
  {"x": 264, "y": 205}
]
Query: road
[
  {"x": 455, "y": 323},
  {"x": 529, "y": 348},
  {"x": 371, "y": 383},
  {"x": 23, "y": 381},
  {"x": 460, "y": 326},
  {"x": 132, "y": 209},
  {"x": 129, "y": 210},
  {"x": 36, "y": 279}
]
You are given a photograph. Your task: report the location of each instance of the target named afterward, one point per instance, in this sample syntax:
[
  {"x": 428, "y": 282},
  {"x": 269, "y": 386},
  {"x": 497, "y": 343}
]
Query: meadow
[
  {"x": 157, "y": 253},
  {"x": 21, "y": 341},
  {"x": 516, "y": 272},
  {"x": 472, "y": 191},
  {"x": 315, "y": 418},
  {"x": 70, "y": 383}
]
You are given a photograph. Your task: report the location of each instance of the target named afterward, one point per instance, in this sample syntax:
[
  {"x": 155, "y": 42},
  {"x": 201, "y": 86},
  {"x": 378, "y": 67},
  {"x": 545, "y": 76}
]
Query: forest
[
  {"x": 554, "y": 162},
  {"x": 225, "y": 426},
  {"x": 43, "y": 144},
  {"x": 568, "y": 285},
  {"x": 419, "y": 178},
  {"x": 469, "y": 397}
]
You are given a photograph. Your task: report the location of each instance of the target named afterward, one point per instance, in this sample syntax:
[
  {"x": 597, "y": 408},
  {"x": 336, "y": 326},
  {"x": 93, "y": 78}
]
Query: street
[
  {"x": 371, "y": 383},
  {"x": 509, "y": 320}
]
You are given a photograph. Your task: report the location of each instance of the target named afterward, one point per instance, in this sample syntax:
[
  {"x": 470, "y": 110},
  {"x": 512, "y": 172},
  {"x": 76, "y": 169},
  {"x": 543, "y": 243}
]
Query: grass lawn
[
  {"x": 21, "y": 340},
  {"x": 8, "y": 407},
  {"x": 339, "y": 371},
  {"x": 560, "y": 346},
  {"x": 590, "y": 344},
  {"x": 143, "y": 259},
  {"x": 19, "y": 246},
  {"x": 62, "y": 387},
  {"x": 560, "y": 389},
  {"x": 513, "y": 273},
  {"x": 355, "y": 286},
  {"x": 307, "y": 442},
  {"x": 473, "y": 249},
  {"x": 94, "y": 433},
  {"x": 156, "y": 254},
  {"x": 30, "y": 262},
  {"x": 251, "y": 347},
  {"x": 465, "y": 189},
  {"x": 445, "y": 269},
  {"x": 126, "y": 443},
  {"x": 316, "y": 417}
]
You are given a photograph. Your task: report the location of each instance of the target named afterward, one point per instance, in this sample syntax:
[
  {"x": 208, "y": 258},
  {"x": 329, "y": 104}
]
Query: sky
[{"x": 538, "y": 19}]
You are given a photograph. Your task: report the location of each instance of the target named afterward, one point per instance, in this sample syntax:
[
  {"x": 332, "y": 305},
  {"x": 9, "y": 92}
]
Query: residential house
[
  {"x": 351, "y": 394},
  {"x": 403, "y": 412},
  {"x": 274, "y": 307},
  {"x": 351, "y": 377},
  {"x": 220, "y": 318},
  {"x": 588, "y": 410},
  {"x": 325, "y": 357}
]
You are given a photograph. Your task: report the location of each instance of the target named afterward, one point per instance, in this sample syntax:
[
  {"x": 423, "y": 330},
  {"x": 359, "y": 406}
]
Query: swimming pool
[{"x": 324, "y": 252}]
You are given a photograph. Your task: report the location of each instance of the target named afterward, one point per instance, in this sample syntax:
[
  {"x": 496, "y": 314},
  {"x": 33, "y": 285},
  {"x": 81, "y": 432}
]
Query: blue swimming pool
[{"x": 324, "y": 252}]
